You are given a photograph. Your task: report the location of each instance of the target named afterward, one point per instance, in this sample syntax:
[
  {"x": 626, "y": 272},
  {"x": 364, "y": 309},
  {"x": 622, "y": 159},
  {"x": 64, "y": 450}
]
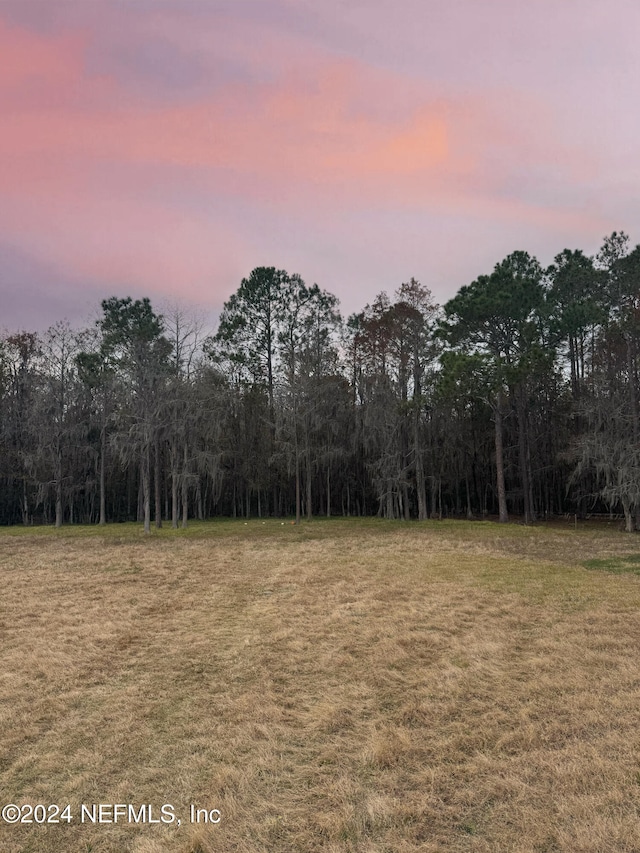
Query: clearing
[{"x": 345, "y": 685}]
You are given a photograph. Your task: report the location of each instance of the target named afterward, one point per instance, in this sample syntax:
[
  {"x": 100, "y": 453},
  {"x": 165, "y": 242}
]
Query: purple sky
[{"x": 167, "y": 147}]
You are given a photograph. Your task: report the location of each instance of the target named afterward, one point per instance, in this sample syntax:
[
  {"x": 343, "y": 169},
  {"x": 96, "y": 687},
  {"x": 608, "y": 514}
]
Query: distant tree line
[{"x": 517, "y": 397}]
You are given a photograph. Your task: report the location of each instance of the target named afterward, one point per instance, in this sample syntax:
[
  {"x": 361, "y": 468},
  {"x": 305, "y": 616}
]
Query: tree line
[{"x": 518, "y": 397}]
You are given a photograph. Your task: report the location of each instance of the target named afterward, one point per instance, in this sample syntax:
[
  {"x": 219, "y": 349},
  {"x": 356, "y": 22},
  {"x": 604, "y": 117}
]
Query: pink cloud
[
  {"x": 28, "y": 58},
  {"x": 82, "y": 158},
  {"x": 300, "y": 130}
]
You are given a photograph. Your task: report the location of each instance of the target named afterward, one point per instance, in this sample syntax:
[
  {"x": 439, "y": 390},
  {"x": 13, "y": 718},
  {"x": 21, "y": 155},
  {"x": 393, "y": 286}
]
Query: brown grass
[{"x": 338, "y": 687}]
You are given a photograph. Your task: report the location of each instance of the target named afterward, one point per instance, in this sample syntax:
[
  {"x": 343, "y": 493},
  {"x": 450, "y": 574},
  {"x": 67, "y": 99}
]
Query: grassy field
[{"x": 338, "y": 686}]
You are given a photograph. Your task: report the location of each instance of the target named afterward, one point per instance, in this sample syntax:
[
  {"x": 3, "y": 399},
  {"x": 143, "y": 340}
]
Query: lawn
[{"x": 339, "y": 686}]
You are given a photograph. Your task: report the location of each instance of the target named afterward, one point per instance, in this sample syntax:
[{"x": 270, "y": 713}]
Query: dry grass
[{"x": 339, "y": 687}]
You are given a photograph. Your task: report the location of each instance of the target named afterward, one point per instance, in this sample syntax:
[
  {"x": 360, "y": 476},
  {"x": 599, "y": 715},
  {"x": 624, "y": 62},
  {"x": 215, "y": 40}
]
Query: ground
[{"x": 340, "y": 686}]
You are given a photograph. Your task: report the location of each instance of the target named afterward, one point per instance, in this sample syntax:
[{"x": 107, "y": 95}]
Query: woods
[{"x": 517, "y": 398}]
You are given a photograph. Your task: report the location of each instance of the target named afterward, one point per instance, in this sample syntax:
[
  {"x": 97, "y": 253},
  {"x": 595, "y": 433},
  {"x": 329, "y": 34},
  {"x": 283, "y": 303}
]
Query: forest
[{"x": 516, "y": 399}]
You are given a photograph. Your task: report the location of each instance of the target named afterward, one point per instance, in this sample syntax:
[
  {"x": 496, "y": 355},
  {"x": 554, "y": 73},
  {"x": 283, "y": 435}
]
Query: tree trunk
[
  {"x": 157, "y": 484},
  {"x": 522, "y": 458},
  {"x": 146, "y": 489},
  {"x": 309, "y": 487},
  {"x": 174, "y": 485},
  {"x": 25, "y": 502},
  {"x": 185, "y": 486},
  {"x": 421, "y": 486},
  {"x": 58, "y": 508},
  {"x": 140, "y": 507},
  {"x": 103, "y": 459},
  {"x": 298, "y": 496},
  {"x": 58, "y": 489},
  {"x": 573, "y": 358},
  {"x": 329, "y": 492},
  {"x": 405, "y": 501},
  {"x": 389, "y": 513},
  {"x": 631, "y": 384},
  {"x": 199, "y": 501},
  {"x": 500, "y": 487}
]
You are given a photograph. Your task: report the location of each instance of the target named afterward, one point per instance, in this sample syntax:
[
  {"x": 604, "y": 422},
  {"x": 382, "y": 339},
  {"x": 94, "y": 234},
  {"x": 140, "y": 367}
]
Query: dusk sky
[{"x": 165, "y": 148}]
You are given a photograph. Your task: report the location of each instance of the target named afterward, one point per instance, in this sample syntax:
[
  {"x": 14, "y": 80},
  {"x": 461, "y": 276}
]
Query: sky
[{"x": 165, "y": 148}]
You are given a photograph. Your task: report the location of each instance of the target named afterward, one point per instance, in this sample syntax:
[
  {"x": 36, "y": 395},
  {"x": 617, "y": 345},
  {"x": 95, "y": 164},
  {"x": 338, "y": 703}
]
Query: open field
[{"x": 342, "y": 686}]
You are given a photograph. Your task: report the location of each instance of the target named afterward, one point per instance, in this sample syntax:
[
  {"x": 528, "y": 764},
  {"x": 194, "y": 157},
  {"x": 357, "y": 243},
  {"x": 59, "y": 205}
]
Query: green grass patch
[{"x": 620, "y": 564}]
